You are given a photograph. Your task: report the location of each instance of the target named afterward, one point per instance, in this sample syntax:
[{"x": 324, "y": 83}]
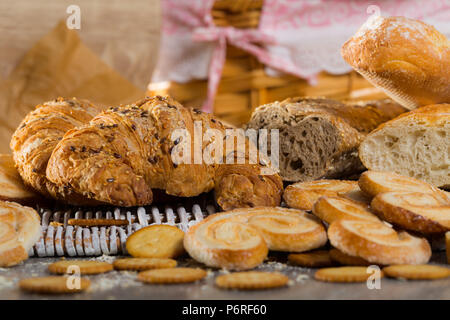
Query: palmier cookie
[
  {"x": 313, "y": 259},
  {"x": 378, "y": 243},
  {"x": 53, "y": 284},
  {"x": 376, "y": 182},
  {"x": 156, "y": 241},
  {"x": 172, "y": 275},
  {"x": 344, "y": 274},
  {"x": 421, "y": 212},
  {"x": 240, "y": 239},
  {"x": 251, "y": 280},
  {"x": 303, "y": 195},
  {"x": 347, "y": 260},
  {"x": 139, "y": 264},
  {"x": 83, "y": 266},
  {"x": 330, "y": 209},
  {"x": 417, "y": 272}
]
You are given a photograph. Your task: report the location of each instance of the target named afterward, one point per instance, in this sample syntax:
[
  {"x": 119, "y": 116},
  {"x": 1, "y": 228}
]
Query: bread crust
[
  {"x": 431, "y": 122},
  {"x": 36, "y": 137},
  {"x": 327, "y": 131},
  {"x": 19, "y": 230},
  {"x": 378, "y": 243},
  {"x": 303, "y": 195},
  {"x": 12, "y": 187},
  {"x": 432, "y": 215},
  {"x": 240, "y": 239},
  {"x": 406, "y": 58},
  {"x": 126, "y": 151}
]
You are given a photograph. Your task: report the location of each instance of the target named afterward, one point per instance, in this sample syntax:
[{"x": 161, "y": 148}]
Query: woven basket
[{"x": 245, "y": 85}]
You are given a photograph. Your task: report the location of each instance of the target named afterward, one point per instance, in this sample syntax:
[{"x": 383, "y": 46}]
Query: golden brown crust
[
  {"x": 374, "y": 182},
  {"x": 313, "y": 259},
  {"x": 84, "y": 266},
  {"x": 126, "y": 151},
  {"x": 156, "y": 241},
  {"x": 140, "y": 264},
  {"x": 406, "y": 58},
  {"x": 343, "y": 274},
  {"x": 52, "y": 285},
  {"x": 378, "y": 243},
  {"x": 303, "y": 195},
  {"x": 172, "y": 275},
  {"x": 97, "y": 222},
  {"x": 447, "y": 246},
  {"x": 19, "y": 230},
  {"x": 251, "y": 280},
  {"x": 330, "y": 209},
  {"x": 417, "y": 272},
  {"x": 36, "y": 137},
  {"x": 414, "y": 211},
  {"x": 240, "y": 239},
  {"x": 12, "y": 187}
]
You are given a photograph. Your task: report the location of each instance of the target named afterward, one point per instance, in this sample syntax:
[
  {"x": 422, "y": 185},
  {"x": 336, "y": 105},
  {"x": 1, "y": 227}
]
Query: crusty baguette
[
  {"x": 12, "y": 187},
  {"x": 406, "y": 58},
  {"x": 19, "y": 230},
  {"x": 36, "y": 137},
  {"x": 319, "y": 138},
  {"x": 126, "y": 151},
  {"x": 415, "y": 144}
]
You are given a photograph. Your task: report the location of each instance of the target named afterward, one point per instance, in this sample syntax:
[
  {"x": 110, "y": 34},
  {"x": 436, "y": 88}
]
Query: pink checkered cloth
[{"x": 296, "y": 37}]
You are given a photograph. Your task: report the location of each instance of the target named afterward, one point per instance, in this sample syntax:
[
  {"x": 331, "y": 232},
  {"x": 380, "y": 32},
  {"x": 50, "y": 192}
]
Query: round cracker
[
  {"x": 156, "y": 241},
  {"x": 84, "y": 266},
  {"x": 417, "y": 272},
  {"x": 52, "y": 284},
  {"x": 251, "y": 280},
  {"x": 140, "y": 264},
  {"x": 343, "y": 274},
  {"x": 313, "y": 259},
  {"x": 172, "y": 275},
  {"x": 346, "y": 259}
]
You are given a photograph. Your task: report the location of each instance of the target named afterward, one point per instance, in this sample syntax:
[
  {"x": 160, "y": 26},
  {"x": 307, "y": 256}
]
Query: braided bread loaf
[
  {"x": 126, "y": 151},
  {"x": 36, "y": 137}
]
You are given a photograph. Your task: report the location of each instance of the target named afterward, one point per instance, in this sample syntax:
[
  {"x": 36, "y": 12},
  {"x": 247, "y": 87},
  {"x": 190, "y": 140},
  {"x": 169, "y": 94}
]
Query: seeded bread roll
[
  {"x": 415, "y": 144},
  {"x": 408, "y": 59},
  {"x": 319, "y": 138}
]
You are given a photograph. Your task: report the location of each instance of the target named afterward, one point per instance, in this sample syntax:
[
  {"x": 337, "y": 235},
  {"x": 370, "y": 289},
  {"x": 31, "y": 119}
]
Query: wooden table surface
[{"x": 125, "y": 34}]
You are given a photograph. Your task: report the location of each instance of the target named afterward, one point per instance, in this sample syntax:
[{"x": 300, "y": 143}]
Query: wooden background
[{"x": 124, "y": 34}]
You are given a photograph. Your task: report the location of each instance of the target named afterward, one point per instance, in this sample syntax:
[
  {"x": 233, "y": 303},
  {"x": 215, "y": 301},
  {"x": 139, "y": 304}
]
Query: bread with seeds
[{"x": 126, "y": 151}]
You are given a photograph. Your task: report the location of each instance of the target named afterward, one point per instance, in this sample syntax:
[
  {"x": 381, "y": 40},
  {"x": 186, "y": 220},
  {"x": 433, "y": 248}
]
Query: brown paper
[{"x": 58, "y": 65}]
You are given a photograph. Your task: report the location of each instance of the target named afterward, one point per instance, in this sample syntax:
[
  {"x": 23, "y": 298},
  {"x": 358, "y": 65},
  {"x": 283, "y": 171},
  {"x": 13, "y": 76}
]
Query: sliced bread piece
[
  {"x": 319, "y": 138},
  {"x": 415, "y": 144}
]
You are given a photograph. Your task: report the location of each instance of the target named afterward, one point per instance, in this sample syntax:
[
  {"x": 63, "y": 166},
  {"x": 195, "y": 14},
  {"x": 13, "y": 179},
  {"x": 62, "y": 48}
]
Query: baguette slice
[
  {"x": 408, "y": 59},
  {"x": 12, "y": 187},
  {"x": 414, "y": 211},
  {"x": 415, "y": 144}
]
